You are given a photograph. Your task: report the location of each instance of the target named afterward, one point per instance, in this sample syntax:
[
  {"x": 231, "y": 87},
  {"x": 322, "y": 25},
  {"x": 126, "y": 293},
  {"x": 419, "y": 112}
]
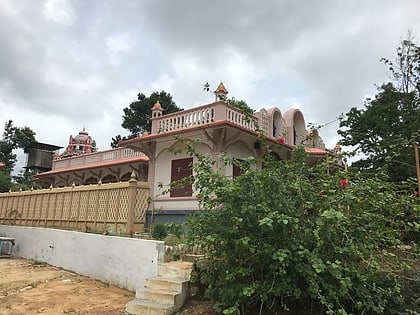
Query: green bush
[
  {"x": 175, "y": 229},
  {"x": 292, "y": 233},
  {"x": 159, "y": 231}
]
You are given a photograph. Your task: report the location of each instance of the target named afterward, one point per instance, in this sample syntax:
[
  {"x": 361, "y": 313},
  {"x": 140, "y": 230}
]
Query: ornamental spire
[
  {"x": 221, "y": 92},
  {"x": 157, "y": 110}
]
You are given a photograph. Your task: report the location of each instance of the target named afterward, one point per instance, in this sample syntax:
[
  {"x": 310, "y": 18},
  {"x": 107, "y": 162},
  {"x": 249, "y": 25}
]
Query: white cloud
[
  {"x": 321, "y": 56},
  {"x": 80, "y": 84},
  {"x": 60, "y": 12},
  {"x": 118, "y": 45}
]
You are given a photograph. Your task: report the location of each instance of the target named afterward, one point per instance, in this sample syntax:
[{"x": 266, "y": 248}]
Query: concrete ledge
[{"x": 124, "y": 262}]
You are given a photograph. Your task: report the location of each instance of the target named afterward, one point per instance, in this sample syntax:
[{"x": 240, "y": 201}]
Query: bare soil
[{"x": 29, "y": 287}]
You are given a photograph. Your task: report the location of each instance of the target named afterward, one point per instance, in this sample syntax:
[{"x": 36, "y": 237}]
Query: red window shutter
[
  {"x": 236, "y": 171},
  {"x": 180, "y": 169}
]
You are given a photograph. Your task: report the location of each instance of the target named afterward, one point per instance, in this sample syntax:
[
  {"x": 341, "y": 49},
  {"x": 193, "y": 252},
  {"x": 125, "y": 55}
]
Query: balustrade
[
  {"x": 97, "y": 157},
  {"x": 200, "y": 116}
]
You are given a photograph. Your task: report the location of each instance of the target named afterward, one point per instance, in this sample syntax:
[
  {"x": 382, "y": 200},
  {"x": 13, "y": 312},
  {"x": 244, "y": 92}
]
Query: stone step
[
  {"x": 175, "y": 269},
  {"x": 161, "y": 296},
  {"x": 164, "y": 294},
  {"x": 191, "y": 257},
  {"x": 169, "y": 284},
  {"x": 145, "y": 307}
]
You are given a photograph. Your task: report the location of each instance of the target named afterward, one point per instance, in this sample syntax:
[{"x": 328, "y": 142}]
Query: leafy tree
[
  {"x": 405, "y": 69},
  {"x": 13, "y": 138},
  {"x": 136, "y": 118},
  {"x": 294, "y": 234},
  {"x": 117, "y": 139},
  {"x": 386, "y": 128},
  {"x": 24, "y": 181}
]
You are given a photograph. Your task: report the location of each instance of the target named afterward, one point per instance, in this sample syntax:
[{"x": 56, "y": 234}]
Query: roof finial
[
  {"x": 337, "y": 148},
  {"x": 157, "y": 106},
  {"x": 157, "y": 110},
  {"x": 221, "y": 92}
]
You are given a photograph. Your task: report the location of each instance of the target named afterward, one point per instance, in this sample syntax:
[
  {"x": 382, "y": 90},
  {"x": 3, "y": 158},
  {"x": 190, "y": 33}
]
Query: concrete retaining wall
[{"x": 124, "y": 262}]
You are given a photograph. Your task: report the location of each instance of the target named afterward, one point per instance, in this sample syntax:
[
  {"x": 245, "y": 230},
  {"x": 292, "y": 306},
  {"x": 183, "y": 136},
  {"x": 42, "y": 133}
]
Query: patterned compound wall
[{"x": 114, "y": 207}]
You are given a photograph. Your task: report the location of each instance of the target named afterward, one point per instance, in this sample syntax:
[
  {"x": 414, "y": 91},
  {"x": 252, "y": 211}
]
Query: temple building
[
  {"x": 82, "y": 164},
  {"x": 80, "y": 144},
  {"x": 217, "y": 128}
]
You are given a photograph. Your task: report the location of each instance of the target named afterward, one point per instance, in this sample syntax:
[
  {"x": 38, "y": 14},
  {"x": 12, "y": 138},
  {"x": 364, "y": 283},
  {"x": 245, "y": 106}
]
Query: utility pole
[{"x": 416, "y": 152}]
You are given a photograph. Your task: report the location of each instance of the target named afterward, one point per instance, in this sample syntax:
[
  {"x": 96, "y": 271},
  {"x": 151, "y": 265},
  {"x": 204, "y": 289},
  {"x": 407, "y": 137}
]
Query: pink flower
[
  {"x": 416, "y": 193},
  {"x": 344, "y": 183},
  {"x": 281, "y": 140}
]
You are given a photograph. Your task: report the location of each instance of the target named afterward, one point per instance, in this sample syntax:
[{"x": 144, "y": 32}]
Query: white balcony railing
[
  {"x": 97, "y": 157},
  {"x": 202, "y": 115}
]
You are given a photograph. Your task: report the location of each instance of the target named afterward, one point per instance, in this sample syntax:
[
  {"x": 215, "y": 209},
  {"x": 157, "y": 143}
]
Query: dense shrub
[
  {"x": 293, "y": 233},
  {"x": 159, "y": 231}
]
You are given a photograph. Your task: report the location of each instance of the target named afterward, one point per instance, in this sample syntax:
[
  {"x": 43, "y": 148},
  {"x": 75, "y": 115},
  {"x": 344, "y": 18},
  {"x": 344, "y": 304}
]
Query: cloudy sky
[{"x": 69, "y": 64}]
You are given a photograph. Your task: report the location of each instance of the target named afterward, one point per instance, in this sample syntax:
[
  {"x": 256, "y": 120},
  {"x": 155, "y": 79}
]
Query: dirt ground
[{"x": 27, "y": 287}]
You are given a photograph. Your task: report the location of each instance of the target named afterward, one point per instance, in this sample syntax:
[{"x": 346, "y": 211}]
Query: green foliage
[
  {"x": 241, "y": 104},
  {"x": 116, "y": 140},
  {"x": 5, "y": 181},
  {"x": 137, "y": 115},
  {"x": 14, "y": 138},
  {"x": 296, "y": 234},
  {"x": 406, "y": 68},
  {"x": 159, "y": 231},
  {"x": 175, "y": 229},
  {"x": 23, "y": 181},
  {"x": 386, "y": 128}
]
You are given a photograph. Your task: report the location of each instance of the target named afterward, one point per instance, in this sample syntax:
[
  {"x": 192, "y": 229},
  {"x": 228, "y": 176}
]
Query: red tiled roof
[{"x": 142, "y": 158}]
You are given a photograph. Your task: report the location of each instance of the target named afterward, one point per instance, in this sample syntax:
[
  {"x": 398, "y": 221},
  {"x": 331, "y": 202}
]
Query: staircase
[{"x": 164, "y": 294}]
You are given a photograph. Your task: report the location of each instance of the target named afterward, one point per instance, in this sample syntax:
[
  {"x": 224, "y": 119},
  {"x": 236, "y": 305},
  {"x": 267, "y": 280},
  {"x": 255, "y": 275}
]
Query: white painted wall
[{"x": 123, "y": 262}]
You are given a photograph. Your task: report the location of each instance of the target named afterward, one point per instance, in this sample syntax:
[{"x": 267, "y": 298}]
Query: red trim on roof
[
  {"x": 145, "y": 138},
  {"x": 94, "y": 165},
  {"x": 316, "y": 151},
  {"x": 183, "y": 130}
]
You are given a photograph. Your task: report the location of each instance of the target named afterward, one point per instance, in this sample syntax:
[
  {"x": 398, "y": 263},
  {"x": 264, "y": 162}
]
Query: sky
[{"x": 66, "y": 65}]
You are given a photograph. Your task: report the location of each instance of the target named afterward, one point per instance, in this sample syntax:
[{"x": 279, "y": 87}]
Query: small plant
[
  {"x": 175, "y": 229},
  {"x": 177, "y": 255},
  {"x": 159, "y": 231},
  {"x": 12, "y": 216},
  {"x": 172, "y": 240}
]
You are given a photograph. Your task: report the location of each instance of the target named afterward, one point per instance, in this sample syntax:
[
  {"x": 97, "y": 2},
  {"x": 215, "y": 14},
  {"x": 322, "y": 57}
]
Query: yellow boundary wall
[{"x": 113, "y": 207}]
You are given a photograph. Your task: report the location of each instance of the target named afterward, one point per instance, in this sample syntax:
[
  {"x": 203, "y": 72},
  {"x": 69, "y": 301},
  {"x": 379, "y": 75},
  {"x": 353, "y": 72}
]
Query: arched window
[
  {"x": 91, "y": 181},
  {"x": 126, "y": 177},
  {"x": 109, "y": 179},
  {"x": 278, "y": 124}
]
